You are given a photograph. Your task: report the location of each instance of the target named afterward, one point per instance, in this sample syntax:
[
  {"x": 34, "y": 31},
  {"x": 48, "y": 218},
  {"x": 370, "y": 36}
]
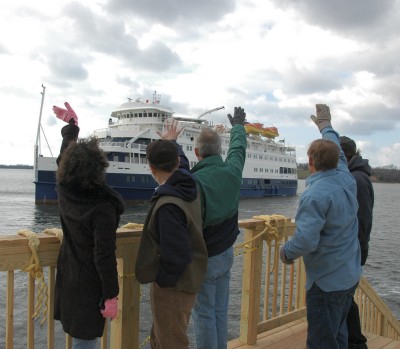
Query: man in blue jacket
[
  {"x": 219, "y": 183},
  {"x": 327, "y": 237}
]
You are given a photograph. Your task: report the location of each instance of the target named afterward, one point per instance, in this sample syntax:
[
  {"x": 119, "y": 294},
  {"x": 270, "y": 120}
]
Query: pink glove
[
  {"x": 66, "y": 114},
  {"x": 110, "y": 308}
]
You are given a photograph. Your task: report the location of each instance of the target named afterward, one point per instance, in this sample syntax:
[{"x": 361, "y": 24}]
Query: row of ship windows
[
  {"x": 148, "y": 179},
  {"x": 282, "y": 170},
  {"x": 255, "y": 156},
  {"x": 268, "y": 181},
  {"x": 144, "y": 115},
  {"x": 272, "y": 158}
]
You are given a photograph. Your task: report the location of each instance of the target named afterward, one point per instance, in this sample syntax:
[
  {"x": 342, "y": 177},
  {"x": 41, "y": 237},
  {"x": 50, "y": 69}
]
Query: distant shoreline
[{"x": 18, "y": 167}]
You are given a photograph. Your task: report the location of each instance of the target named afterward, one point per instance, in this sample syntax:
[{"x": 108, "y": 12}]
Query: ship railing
[
  {"x": 114, "y": 144},
  {"x": 272, "y": 293}
]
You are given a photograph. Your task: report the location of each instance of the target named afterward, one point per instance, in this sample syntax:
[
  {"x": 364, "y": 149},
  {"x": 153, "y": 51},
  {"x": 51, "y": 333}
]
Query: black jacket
[
  {"x": 86, "y": 265},
  {"x": 361, "y": 170},
  {"x": 172, "y": 238}
]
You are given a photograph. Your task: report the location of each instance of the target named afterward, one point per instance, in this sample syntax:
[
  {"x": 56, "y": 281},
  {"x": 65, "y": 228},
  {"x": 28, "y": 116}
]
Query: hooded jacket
[
  {"x": 86, "y": 265},
  {"x": 361, "y": 171},
  {"x": 172, "y": 251}
]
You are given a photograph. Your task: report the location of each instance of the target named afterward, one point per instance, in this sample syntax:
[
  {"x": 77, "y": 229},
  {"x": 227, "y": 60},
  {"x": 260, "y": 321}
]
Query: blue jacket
[{"x": 326, "y": 232}]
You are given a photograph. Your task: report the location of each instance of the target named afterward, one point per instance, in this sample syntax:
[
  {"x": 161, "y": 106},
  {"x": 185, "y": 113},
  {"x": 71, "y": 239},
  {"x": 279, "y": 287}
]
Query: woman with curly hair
[{"x": 87, "y": 281}]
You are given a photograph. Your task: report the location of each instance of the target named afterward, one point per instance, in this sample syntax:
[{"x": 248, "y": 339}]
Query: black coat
[
  {"x": 361, "y": 170},
  {"x": 86, "y": 266}
]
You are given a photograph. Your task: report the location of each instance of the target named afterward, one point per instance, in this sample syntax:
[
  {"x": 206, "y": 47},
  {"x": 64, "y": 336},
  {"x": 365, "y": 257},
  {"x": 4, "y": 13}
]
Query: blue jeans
[
  {"x": 210, "y": 313},
  {"x": 84, "y": 343},
  {"x": 326, "y": 316}
]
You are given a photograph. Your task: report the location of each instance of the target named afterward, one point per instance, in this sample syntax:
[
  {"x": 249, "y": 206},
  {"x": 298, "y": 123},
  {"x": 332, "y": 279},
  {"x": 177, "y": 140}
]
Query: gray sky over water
[{"x": 275, "y": 58}]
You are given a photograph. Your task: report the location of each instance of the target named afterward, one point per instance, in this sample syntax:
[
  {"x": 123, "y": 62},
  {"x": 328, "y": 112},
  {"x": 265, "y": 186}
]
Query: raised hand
[
  {"x": 171, "y": 131},
  {"x": 68, "y": 115},
  {"x": 323, "y": 118},
  {"x": 239, "y": 116}
]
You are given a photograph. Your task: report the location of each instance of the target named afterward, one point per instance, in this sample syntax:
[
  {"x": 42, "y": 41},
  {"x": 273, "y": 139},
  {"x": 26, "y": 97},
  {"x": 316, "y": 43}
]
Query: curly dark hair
[{"x": 83, "y": 165}]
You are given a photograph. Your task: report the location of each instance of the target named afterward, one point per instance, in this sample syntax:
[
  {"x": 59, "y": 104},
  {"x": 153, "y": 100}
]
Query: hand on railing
[{"x": 283, "y": 257}]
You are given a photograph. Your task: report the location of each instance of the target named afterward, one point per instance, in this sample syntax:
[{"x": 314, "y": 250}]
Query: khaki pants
[{"x": 171, "y": 313}]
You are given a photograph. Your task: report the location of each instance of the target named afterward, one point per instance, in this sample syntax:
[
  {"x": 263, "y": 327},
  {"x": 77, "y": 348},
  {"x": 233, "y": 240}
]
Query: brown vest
[{"x": 148, "y": 259}]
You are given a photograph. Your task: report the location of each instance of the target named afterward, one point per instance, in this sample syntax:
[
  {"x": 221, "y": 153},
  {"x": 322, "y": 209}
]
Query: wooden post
[
  {"x": 125, "y": 328},
  {"x": 251, "y": 287},
  {"x": 50, "y": 307},
  {"x": 10, "y": 310},
  {"x": 31, "y": 310}
]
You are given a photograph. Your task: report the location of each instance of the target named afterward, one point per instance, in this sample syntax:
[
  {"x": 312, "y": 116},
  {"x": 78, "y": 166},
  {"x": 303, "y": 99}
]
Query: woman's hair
[
  {"x": 83, "y": 165},
  {"x": 325, "y": 154},
  {"x": 208, "y": 142},
  {"x": 163, "y": 155}
]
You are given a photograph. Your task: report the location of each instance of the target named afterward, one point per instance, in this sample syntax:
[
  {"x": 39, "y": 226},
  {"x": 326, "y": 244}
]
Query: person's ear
[
  {"x": 152, "y": 169},
  {"x": 196, "y": 152}
]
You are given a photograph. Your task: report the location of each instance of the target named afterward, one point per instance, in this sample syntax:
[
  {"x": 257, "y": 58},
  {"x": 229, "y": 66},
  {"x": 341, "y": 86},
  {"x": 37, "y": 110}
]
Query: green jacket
[{"x": 219, "y": 183}]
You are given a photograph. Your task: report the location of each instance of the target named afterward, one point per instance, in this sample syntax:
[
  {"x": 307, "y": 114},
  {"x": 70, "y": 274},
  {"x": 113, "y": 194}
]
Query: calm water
[{"x": 18, "y": 211}]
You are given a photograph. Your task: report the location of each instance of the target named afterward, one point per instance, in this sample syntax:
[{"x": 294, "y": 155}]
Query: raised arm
[
  {"x": 69, "y": 132},
  {"x": 323, "y": 122},
  {"x": 238, "y": 142}
]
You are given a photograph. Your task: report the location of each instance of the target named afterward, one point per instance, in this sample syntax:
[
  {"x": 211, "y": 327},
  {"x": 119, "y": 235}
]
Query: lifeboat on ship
[{"x": 259, "y": 129}]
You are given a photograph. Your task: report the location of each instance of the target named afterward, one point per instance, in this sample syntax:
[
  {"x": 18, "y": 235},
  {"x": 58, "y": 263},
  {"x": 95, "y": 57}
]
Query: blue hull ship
[{"x": 270, "y": 168}]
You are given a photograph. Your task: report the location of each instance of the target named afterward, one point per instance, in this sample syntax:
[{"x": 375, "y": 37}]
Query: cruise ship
[{"x": 270, "y": 167}]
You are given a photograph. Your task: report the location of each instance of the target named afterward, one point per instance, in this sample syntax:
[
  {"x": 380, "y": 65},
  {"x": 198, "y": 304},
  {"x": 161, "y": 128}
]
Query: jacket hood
[
  {"x": 357, "y": 163},
  {"x": 180, "y": 184}
]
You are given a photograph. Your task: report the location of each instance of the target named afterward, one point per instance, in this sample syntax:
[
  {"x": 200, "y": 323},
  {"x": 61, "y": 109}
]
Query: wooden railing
[
  {"x": 280, "y": 299},
  {"x": 272, "y": 293},
  {"x": 15, "y": 254}
]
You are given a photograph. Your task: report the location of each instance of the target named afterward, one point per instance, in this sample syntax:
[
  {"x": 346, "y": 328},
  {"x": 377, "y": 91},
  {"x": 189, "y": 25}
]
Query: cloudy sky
[{"x": 275, "y": 58}]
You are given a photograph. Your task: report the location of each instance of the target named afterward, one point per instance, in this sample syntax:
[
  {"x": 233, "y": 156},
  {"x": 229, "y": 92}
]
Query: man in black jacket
[{"x": 361, "y": 171}]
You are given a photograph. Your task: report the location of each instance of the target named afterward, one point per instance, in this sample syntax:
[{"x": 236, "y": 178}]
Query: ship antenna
[{"x": 156, "y": 98}]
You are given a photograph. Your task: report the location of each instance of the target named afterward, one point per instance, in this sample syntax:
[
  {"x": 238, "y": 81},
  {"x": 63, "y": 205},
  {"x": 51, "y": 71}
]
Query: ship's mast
[
  {"x": 37, "y": 144},
  {"x": 156, "y": 98}
]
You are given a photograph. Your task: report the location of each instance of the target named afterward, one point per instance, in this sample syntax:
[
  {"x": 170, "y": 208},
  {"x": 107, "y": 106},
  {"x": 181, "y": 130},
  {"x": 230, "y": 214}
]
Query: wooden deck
[
  {"x": 273, "y": 309},
  {"x": 294, "y": 335}
]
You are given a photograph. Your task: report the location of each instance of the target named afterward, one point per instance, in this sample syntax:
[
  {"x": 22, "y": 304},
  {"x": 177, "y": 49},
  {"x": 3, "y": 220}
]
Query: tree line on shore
[{"x": 384, "y": 174}]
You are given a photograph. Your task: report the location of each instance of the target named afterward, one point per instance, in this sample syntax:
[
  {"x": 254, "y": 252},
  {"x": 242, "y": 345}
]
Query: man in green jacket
[{"x": 219, "y": 183}]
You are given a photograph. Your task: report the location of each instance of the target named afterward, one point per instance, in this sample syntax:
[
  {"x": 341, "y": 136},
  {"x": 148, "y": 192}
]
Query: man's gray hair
[{"x": 209, "y": 143}]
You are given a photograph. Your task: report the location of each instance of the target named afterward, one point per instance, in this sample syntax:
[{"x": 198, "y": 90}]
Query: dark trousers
[
  {"x": 356, "y": 339},
  {"x": 326, "y": 317}
]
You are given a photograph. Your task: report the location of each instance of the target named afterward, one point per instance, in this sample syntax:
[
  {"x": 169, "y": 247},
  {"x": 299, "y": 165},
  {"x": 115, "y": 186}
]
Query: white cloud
[{"x": 275, "y": 58}]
